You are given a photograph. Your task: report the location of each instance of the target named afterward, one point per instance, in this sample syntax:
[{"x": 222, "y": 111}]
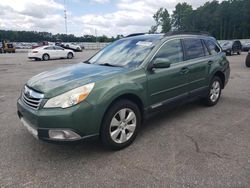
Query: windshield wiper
[
  {"x": 111, "y": 65},
  {"x": 87, "y": 62}
]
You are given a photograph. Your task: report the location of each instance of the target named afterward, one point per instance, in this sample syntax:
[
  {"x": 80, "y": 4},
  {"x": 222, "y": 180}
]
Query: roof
[{"x": 169, "y": 34}]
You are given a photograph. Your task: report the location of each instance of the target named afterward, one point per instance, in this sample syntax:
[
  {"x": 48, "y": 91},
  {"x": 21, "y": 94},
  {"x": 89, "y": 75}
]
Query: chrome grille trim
[{"x": 31, "y": 98}]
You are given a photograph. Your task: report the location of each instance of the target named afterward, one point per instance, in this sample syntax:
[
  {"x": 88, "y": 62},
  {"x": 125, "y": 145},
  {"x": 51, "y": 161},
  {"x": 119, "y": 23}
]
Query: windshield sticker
[{"x": 144, "y": 43}]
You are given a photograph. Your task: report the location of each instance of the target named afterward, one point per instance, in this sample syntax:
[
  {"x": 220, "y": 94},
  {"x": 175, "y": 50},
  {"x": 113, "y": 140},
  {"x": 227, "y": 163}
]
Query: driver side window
[{"x": 171, "y": 50}]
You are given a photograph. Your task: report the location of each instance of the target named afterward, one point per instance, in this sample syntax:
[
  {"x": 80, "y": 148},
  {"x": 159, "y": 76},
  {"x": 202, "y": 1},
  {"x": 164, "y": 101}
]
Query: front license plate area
[{"x": 30, "y": 129}]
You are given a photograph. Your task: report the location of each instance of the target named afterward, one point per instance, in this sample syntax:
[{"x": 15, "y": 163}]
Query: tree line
[
  {"x": 226, "y": 20},
  {"x": 34, "y": 36}
]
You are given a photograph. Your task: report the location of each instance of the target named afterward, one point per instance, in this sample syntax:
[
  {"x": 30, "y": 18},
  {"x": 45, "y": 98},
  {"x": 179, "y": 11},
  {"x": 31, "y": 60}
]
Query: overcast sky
[{"x": 108, "y": 17}]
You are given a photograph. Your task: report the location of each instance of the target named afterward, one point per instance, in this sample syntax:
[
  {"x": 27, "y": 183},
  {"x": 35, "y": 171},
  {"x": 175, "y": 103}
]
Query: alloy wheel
[
  {"x": 215, "y": 91},
  {"x": 123, "y": 125}
]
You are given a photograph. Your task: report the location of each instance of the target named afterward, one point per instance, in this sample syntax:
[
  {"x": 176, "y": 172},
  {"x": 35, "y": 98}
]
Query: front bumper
[{"x": 78, "y": 119}]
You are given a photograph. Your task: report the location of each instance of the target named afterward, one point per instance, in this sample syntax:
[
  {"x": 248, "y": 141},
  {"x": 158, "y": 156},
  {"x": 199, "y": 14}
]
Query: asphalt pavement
[{"x": 188, "y": 146}]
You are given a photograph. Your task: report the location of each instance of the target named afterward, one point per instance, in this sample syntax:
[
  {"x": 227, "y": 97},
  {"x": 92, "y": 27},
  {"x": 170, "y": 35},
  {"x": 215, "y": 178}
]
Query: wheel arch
[
  {"x": 128, "y": 96},
  {"x": 221, "y": 75},
  {"x": 131, "y": 97}
]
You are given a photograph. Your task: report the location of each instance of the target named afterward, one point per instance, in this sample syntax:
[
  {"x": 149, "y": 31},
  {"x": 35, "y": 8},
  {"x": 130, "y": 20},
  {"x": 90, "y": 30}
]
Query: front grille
[{"x": 31, "y": 98}]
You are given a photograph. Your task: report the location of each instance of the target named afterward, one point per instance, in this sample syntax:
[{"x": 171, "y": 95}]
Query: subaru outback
[{"x": 109, "y": 94}]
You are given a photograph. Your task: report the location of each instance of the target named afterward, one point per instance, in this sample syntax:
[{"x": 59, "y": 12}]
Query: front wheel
[
  {"x": 121, "y": 124},
  {"x": 214, "y": 93}
]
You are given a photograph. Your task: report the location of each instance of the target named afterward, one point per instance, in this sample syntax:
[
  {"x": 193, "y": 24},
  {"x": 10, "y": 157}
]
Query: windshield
[
  {"x": 127, "y": 52},
  {"x": 227, "y": 43}
]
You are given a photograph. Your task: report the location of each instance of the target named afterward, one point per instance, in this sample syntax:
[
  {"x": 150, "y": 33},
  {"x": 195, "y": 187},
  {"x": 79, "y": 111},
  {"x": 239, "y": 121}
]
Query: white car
[
  {"x": 72, "y": 46},
  {"x": 50, "y": 52}
]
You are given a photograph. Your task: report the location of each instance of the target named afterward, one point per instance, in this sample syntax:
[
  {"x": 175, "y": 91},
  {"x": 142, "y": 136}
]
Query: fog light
[{"x": 63, "y": 134}]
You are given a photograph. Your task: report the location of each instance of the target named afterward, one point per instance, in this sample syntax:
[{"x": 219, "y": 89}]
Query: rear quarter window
[{"x": 212, "y": 47}]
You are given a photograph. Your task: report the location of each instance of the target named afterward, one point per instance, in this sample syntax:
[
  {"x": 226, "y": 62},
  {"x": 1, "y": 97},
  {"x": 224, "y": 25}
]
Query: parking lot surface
[{"x": 189, "y": 146}]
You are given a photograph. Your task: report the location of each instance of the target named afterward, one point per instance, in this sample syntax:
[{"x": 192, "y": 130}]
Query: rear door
[
  {"x": 50, "y": 50},
  {"x": 197, "y": 60},
  {"x": 59, "y": 52},
  {"x": 168, "y": 83}
]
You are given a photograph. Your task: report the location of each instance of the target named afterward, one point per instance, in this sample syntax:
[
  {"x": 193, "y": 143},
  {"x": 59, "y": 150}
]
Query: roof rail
[
  {"x": 135, "y": 34},
  {"x": 188, "y": 33}
]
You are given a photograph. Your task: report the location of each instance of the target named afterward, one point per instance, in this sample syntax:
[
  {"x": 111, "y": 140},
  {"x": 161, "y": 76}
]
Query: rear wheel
[
  {"x": 121, "y": 124},
  {"x": 46, "y": 57},
  {"x": 70, "y": 55},
  {"x": 214, "y": 93}
]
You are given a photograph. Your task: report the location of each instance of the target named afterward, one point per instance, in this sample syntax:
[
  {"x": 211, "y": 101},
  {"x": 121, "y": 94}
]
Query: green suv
[{"x": 110, "y": 94}]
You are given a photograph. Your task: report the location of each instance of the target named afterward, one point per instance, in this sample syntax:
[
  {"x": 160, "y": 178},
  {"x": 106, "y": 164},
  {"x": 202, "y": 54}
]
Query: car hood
[{"x": 60, "y": 80}]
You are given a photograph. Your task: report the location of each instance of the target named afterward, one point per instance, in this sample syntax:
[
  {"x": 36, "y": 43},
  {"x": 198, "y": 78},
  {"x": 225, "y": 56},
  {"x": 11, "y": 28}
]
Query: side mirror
[{"x": 160, "y": 63}]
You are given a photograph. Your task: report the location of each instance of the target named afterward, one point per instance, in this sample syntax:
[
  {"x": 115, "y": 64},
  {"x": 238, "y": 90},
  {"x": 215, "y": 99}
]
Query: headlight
[{"x": 70, "y": 98}]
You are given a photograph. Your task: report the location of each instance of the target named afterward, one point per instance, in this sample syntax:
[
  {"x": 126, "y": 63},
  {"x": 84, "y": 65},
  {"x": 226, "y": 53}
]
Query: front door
[{"x": 165, "y": 84}]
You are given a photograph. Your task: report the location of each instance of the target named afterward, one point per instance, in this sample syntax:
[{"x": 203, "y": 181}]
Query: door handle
[
  {"x": 184, "y": 70},
  {"x": 210, "y": 62}
]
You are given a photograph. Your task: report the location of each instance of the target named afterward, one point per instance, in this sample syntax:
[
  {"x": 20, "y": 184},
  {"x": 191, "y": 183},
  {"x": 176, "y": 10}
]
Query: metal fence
[
  {"x": 85, "y": 45},
  {"x": 93, "y": 45}
]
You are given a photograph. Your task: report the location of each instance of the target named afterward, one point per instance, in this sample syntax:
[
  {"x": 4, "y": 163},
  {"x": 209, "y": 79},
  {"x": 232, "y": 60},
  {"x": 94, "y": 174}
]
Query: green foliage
[
  {"x": 162, "y": 19},
  {"x": 181, "y": 18},
  {"x": 225, "y": 20},
  {"x": 33, "y": 36}
]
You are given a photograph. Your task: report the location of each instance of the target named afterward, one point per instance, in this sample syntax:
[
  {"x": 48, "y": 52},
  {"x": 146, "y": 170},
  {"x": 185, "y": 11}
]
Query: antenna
[{"x": 65, "y": 17}]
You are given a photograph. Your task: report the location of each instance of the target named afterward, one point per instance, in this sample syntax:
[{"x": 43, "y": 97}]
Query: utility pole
[
  {"x": 65, "y": 18},
  {"x": 96, "y": 39}
]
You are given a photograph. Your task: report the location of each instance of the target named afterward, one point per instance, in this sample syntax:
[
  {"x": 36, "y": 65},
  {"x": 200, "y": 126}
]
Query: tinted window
[
  {"x": 212, "y": 47},
  {"x": 49, "y": 48},
  {"x": 207, "y": 52},
  {"x": 193, "y": 48},
  {"x": 171, "y": 50},
  {"x": 58, "y": 48}
]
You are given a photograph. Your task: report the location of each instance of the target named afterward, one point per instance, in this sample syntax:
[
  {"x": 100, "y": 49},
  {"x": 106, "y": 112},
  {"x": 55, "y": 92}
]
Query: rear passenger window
[
  {"x": 212, "y": 47},
  {"x": 49, "y": 48},
  {"x": 171, "y": 50},
  {"x": 193, "y": 48}
]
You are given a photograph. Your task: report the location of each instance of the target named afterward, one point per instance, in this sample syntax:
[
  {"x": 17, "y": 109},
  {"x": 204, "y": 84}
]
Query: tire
[
  {"x": 70, "y": 55},
  {"x": 248, "y": 60},
  {"x": 125, "y": 132},
  {"x": 46, "y": 57},
  {"x": 214, "y": 92}
]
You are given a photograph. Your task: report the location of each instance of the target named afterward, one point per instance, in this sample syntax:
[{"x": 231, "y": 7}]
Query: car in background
[
  {"x": 248, "y": 59},
  {"x": 231, "y": 47},
  {"x": 46, "y": 53},
  {"x": 246, "y": 46},
  {"x": 43, "y": 43},
  {"x": 72, "y": 46}
]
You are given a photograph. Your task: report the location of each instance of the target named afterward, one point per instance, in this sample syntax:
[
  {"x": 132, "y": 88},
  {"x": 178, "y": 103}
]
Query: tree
[
  {"x": 33, "y": 36},
  {"x": 162, "y": 18},
  {"x": 181, "y": 16}
]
